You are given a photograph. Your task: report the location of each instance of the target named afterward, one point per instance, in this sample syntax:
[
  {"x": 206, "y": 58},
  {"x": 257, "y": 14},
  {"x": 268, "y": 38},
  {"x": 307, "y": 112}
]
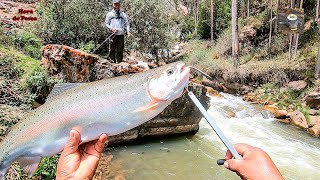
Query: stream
[{"x": 296, "y": 153}]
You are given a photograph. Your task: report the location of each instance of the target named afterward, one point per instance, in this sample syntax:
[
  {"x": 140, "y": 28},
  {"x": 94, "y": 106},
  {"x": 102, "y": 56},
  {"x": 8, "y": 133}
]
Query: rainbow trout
[{"x": 110, "y": 106}]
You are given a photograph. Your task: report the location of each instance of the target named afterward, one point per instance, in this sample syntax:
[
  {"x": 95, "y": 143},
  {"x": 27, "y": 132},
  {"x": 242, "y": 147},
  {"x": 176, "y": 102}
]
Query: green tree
[{"x": 77, "y": 22}]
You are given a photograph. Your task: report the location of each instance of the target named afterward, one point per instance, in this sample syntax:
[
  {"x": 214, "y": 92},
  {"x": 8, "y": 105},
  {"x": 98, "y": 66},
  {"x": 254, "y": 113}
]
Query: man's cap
[{"x": 116, "y": 1}]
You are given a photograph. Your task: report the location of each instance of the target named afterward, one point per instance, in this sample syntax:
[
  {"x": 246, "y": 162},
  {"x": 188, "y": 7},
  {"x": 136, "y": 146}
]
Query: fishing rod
[
  {"x": 211, "y": 122},
  {"x": 109, "y": 39}
]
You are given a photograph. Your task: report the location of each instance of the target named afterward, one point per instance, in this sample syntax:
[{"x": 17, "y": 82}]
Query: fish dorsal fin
[
  {"x": 60, "y": 88},
  {"x": 29, "y": 164}
]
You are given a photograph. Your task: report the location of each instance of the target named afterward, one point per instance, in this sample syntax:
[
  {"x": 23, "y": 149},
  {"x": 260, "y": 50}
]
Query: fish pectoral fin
[
  {"x": 29, "y": 164},
  {"x": 151, "y": 106}
]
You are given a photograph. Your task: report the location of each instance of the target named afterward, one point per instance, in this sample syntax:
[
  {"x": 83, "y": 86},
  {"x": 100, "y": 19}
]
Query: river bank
[{"x": 296, "y": 102}]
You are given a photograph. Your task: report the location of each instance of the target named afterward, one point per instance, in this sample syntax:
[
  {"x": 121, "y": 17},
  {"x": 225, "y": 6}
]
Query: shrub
[
  {"x": 4, "y": 39},
  {"x": 40, "y": 84},
  {"x": 7, "y": 68},
  {"x": 87, "y": 47},
  {"x": 27, "y": 42}
]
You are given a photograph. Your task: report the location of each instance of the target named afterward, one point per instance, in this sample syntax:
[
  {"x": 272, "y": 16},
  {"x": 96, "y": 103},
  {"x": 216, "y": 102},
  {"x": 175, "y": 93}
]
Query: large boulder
[
  {"x": 313, "y": 99},
  {"x": 314, "y": 120},
  {"x": 298, "y": 119},
  {"x": 297, "y": 85},
  {"x": 315, "y": 130},
  {"x": 73, "y": 65},
  {"x": 181, "y": 117},
  {"x": 280, "y": 114},
  {"x": 276, "y": 112},
  {"x": 271, "y": 108}
]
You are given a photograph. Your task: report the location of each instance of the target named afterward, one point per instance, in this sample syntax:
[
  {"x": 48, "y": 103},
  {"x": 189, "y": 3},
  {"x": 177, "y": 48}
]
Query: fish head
[{"x": 170, "y": 83}]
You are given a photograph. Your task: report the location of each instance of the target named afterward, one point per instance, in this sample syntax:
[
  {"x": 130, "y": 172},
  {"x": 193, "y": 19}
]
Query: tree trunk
[
  {"x": 318, "y": 11},
  {"x": 248, "y": 8},
  {"x": 276, "y": 24},
  {"x": 212, "y": 19},
  {"x": 291, "y": 37},
  {"x": 318, "y": 63},
  {"x": 270, "y": 32},
  {"x": 297, "y": 38},
  {"x": 196, "y": 14},
  {"x": 235, "y": 39}
]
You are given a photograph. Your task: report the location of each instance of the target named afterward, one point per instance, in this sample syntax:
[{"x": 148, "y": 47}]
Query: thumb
[
  {"x": 233, "y": 164},
  {"x": 72, "y": 144}
]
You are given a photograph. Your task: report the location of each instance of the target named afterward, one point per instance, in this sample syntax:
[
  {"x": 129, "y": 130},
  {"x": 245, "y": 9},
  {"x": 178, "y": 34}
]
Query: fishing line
[{"x": 201, "y": 72}]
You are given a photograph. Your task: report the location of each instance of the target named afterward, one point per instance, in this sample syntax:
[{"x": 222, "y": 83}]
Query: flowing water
[{"x": 295, "y": 153}]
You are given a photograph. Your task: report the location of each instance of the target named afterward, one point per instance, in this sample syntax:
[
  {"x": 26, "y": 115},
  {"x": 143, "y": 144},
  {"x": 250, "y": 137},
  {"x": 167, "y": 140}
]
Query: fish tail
[
  {"x": 3, "y": 172},
  {"x": 6, "y": 159}
]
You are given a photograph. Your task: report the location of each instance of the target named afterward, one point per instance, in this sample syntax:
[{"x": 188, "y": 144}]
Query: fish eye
[{"x": 170, "y": 71}]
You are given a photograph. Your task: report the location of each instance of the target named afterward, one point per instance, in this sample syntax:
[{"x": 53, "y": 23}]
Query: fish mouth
[{"x": 184, "y": 74}]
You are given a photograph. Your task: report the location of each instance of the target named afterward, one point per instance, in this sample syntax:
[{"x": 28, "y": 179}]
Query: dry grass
[{"x": 278, "y": 70}]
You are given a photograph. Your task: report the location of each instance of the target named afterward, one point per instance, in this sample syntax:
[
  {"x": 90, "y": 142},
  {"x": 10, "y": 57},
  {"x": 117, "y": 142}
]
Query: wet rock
[
  {"x": 285, "y": 121},
  {"x": 297, "y": 85},
  {"x": 313, "y": 99},
  {"x": 231, "y": 114},
  {"x": 314, "y": 112},
  {"x": 266, "y": 114},
  {"x": 211, "y": 91},
  {"x": 298, "y": 119},
  {"x": 215, "y": 85},
  {"x": 280, "y": 114},
  {"x": 315, "y": 130},
  {"x": 314, "y": 120},
  {"x": 217, "y": 95},
  {"x": 271, "y": 108},
  {"x": 249, "y": 97}
]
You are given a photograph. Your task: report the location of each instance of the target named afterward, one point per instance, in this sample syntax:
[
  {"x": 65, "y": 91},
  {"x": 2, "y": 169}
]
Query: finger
[
  {"x": 99, "y": 145},
  {"x": 233, "y": 165},
  {"x": 240, "y": 148},
  {"x": 72, "y": 144},
  {"x": 95, "y": 148}
]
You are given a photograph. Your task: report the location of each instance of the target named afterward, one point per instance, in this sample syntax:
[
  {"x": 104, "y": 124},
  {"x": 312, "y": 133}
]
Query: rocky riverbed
[{"x": 303, "y": 111}]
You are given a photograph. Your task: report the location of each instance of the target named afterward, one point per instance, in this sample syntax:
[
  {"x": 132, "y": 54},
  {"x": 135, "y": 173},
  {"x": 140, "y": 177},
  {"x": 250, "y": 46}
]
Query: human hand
[
  {"x": 80, "y": 162},
  {"x": 255, "y": 164},
  {"x": 129, "y": 34},
  {"x": 114, "y": 30}
]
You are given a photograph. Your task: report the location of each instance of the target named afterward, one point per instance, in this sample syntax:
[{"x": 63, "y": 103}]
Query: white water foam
[{"x": 296, "y": 154}]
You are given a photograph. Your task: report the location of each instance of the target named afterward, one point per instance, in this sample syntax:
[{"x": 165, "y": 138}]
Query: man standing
[{"x": 117, "y": 22}]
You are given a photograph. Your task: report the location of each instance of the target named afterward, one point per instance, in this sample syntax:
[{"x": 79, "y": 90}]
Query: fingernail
[
  {"x": 72, "y": 134},
  {"x": 226, "y": 164},
  {"x": 104, "y": 139}
]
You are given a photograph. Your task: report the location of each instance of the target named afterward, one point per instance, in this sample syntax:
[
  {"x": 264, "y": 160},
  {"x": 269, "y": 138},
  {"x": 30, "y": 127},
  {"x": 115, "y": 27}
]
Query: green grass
[
  {"x": 31, "y": 76},
  {"x": 48, "y": 167},
  {"x": 26, "y": 64}
]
